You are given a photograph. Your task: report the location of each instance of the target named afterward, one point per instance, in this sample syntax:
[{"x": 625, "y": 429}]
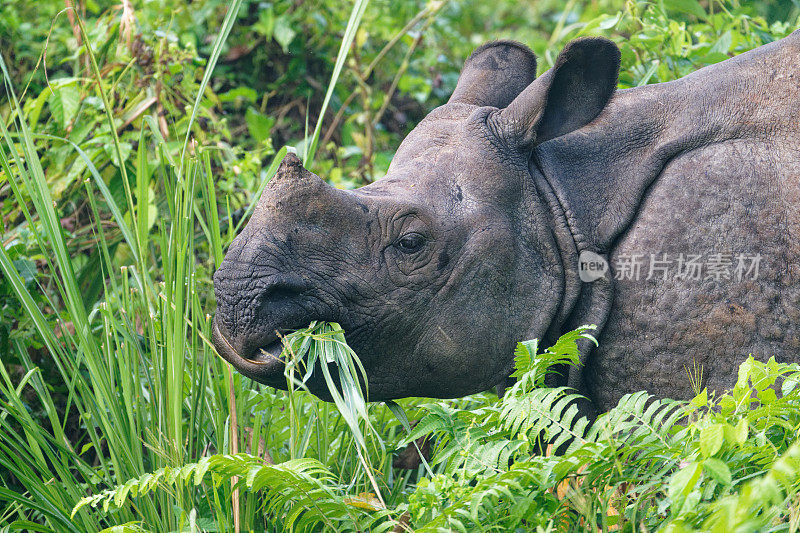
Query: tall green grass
[
  {"x": 141, "y": 376},
  {"x": 140, "y": 372}
]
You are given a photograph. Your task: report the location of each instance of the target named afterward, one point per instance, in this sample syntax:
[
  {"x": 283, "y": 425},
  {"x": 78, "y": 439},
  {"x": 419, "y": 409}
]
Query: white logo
[{"x": 591, "y": 266}]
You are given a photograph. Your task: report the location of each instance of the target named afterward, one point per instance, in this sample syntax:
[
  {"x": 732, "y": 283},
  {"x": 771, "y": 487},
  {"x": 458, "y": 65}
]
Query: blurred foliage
[{"x": 278, "y": 59}]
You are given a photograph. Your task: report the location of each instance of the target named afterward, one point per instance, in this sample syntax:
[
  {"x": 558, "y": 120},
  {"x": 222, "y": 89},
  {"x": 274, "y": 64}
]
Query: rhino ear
[
  {"x": 495, "y": 74},
  {"x": 566, "y": 97}
]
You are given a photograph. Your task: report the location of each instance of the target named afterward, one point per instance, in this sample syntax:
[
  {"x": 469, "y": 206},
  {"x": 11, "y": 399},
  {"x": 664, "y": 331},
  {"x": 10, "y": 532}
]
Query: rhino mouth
[{"x": 264, "y": 364}]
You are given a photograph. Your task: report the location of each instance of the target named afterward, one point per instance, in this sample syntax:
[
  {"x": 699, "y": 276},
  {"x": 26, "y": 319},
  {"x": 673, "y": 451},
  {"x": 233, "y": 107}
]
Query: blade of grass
[
  {"x": 216, "y": 50},
  {"x": 359, "y": 6}
]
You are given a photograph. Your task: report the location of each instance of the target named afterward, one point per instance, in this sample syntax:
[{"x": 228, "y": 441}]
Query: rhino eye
[{"x": 410, "y": 243}]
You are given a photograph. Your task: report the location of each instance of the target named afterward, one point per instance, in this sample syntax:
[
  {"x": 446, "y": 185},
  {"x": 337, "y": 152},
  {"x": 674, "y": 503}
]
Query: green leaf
[
  {"x": 737, "y": 434},
  {"x": 603, "y": 22},
  {"x": 260, "y": 125},
  {"x": 691, "y": 7},
  {"x": 740, "y": 431},
  {"x": 701, "y": 400},
  {"x": 760, "y": 377},
  {"x": 26, "y": 269},
  {"x": 524, "y": 356},
  {"x": 711, "y": 439},
  {"x": 682, "y": 483},
  {"x": 125, "y": 149},
  {"x": 86, "y": 447},
  {"x": 789, "y": 384},
  {"x": 64, "y": 103},
  {"x": 239, "y": 93},
  {"x": 266, "y": 22},
  {"x": 718, "y": 470},
  {"x": 727, "y": 405},
  {"x": 743, "y": 376},
  {"x": 33, "y": 107},
  {"x": 767, "y": 396},
  {"x": 723, "y": 44},
  {"x": 284, "y": 33}
]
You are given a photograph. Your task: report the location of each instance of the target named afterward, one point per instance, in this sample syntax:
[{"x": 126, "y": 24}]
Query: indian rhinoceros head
[{"x": 436, "y": 270}]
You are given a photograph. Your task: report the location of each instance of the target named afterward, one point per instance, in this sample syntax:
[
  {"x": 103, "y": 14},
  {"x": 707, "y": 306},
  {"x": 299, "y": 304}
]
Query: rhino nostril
[
  {"x": 281, "y": 292},
  {"x": 283, "y": 288}
]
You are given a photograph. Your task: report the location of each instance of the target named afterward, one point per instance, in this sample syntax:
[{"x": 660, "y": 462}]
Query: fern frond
[
  {"x": 532, "y": 367},
  {"x": 500, "y": 502},
  {"x": 302, "y": 493},
  {"x": 440, "y": 419},
  {"x": 551, "y": 413},
  {"x": 640, "y": 420}
]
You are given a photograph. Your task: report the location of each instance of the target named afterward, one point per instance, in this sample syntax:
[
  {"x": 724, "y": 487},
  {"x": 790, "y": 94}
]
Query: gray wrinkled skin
[{"x": 471, "y": 242}]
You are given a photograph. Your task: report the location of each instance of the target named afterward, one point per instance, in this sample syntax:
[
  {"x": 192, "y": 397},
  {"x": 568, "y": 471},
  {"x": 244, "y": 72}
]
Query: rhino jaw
[{"x": 264, "y": 365}]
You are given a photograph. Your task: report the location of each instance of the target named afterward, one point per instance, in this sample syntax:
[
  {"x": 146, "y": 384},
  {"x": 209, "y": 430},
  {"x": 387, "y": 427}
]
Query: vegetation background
[{"x": 136, "y": 137}]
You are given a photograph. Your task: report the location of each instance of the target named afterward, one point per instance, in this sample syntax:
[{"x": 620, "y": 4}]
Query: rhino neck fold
[
  {"x": 601, "y": 173},
  {"x": 581, "y": 303},
  {"x": 595, "y": 178},
  {"x": 568, "y": 253}
]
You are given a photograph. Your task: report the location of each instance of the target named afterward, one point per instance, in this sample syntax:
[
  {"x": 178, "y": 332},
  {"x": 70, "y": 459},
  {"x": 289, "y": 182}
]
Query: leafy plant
[
  {"x": 647, "y": 463},
  {"x": 301, "y": 494}
]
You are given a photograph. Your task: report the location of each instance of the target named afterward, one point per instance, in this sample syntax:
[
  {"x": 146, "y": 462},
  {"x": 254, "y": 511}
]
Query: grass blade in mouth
[{"x": 324, "y": 343}]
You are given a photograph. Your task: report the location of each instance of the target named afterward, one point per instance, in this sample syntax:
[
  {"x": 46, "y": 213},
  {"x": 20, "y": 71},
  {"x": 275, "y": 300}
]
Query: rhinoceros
[{"x": 668, "y": 215}]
